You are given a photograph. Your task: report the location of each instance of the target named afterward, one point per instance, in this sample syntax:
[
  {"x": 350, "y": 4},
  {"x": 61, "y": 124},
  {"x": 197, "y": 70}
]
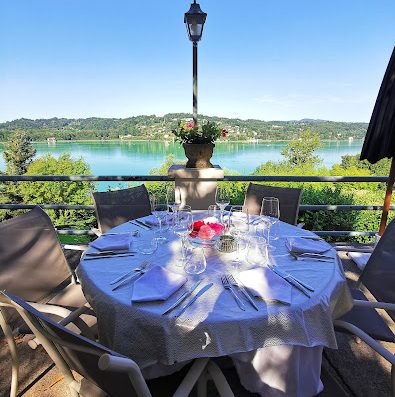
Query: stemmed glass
[
  {"x": 182, "y": 229},
  {"x": 222, "y": 200},
  {"x": 173, "y": 197},
  {"x": 160, "y": 211},
  {"x": 238, "y": 226},
  {"x": 271, "y": 211}
]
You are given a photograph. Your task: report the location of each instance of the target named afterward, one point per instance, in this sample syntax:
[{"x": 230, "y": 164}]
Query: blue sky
[{"x": 264, "y": 59}]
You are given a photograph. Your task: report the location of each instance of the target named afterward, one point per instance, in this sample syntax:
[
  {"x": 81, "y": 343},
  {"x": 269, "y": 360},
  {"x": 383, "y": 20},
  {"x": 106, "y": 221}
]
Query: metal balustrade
[{"x": 227, "y": 178}]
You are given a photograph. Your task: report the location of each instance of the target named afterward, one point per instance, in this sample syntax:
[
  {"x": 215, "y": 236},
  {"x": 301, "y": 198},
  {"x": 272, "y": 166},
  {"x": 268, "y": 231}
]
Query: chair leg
[
  {"x": 202, "y": 386},
  {"x": 14, "y": 354},
  {"x": 220, "y": 381},
  {"x": 191, "y": 377}
]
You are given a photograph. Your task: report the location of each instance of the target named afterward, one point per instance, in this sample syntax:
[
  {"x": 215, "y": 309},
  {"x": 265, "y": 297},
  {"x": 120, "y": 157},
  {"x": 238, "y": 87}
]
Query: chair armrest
[
  {"x": 75, "y": 247},
  {"x": 348, "y": 249},
  {"x": 108, "y": 362},
  {"x": 96, "y": 231},
  {"x": 374, "y": 305},
  {"x": 367, "y": 339},
  {"x": 300, "y": 225},
  {"x": 67, "y": 316}
]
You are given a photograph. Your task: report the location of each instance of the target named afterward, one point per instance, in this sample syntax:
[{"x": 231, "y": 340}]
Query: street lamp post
[{"x": 194, "y": 20}]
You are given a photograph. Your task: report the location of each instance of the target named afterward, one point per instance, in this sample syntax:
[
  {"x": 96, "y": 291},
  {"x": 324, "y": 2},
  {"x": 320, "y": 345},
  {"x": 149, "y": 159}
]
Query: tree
[
  {"x": 300, "y": 151},
  {"x": 76, "y": 193},
  {"x": 18, "y": 154}
]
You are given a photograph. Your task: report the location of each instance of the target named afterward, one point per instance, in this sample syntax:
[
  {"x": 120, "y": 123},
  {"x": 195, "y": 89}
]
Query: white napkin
[
  {"x": 300, "y": 245},
  {"x": 152, "y": 221},
  {"x": 157, "y": 284},
  {"x": 360, "y": 258},
  {"x": 113, "y": 242},
  {"x": 263, "y": 282}
]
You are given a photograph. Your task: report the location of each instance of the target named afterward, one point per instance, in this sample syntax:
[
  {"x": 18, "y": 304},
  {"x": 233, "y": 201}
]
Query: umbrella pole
[{"x": 388, "y": 196}]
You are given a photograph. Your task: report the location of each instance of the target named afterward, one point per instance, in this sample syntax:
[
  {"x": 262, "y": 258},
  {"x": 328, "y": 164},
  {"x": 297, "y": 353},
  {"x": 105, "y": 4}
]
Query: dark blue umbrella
[{"x": 380, "y": 136}]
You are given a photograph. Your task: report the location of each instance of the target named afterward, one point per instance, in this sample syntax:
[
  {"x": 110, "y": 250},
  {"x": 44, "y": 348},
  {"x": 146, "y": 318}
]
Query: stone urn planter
[{"x": 198, "y": 154}]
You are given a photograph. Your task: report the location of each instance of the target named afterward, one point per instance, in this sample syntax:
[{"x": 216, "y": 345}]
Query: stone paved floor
[{"x": 359, "y": 370}]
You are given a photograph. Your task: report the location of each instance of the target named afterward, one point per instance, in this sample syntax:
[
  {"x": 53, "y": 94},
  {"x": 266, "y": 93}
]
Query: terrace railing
[{"x": 227, "y": 178}]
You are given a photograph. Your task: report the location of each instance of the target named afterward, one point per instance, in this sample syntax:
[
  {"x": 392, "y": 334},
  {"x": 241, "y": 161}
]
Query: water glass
[
  {"x": 146, "y": 245},
  {"x": 257, "y": 251},
  {"x": 238, "y": 220},
  {"x": 196, "y": 262}
]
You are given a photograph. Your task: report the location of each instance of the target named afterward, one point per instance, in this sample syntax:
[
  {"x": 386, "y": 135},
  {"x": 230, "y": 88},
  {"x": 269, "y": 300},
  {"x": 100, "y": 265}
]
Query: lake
[{"x": 137, "y": 158}]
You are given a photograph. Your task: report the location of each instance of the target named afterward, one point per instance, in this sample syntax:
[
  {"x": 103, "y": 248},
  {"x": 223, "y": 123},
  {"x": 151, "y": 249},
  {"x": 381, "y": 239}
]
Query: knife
[
  {"x": 189, "y": 303},
  {"x": 86, "y": 258},
  {"x": 246, "y": 294},
  {"x": 291, "y": 281},
  {"x": 108, "y": 253},
  {"x": 182, "y": 297},
  {"x": 141, "y": 223},
  {"x": 285, "y": 274}
]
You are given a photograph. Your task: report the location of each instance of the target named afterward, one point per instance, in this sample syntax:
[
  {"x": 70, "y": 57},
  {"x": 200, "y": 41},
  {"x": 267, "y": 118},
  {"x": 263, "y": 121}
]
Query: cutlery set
[
  {"x": 143, "y": 225},
  {"x": 129, "y": 276},
  {"x": 228, "y": 282}
]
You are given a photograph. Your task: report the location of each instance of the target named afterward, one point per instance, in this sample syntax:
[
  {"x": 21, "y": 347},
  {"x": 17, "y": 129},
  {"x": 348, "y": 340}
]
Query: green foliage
[
  {"x": 18, "y": 154},
  {"x": 299, "y": 152},
  {"x": 153, "y": 127},
  {"x": 73, "y": 193}
]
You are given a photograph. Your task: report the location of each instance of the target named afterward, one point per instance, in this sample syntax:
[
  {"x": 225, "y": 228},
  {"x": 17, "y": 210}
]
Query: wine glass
[
  {"x": 160, "y": 211},
  {"x": 182, "y": 229},
  {"x": 222, "y": 200},
  {"x": 173, "y": 197},
  {"x": 238, "y": 226},
  {"x": 271, "y": 211}
]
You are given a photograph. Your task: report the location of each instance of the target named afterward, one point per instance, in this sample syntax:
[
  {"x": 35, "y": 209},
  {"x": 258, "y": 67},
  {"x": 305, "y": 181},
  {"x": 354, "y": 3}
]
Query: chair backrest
[
  {"x": 32, "y": 262},
  {"x": 289, "y": 199},
  {"x": 379, "y": 273},
  {"x": 119, "y": 206},
  {"x": 80, "y": 354}
]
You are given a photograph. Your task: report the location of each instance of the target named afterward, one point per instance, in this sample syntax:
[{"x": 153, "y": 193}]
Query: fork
[
  {"x": 144, "y": 268},
  {"x": 226, "y": 284},
  {"x": 137, "y": 269},
  {"x": 240, "y": 286}
]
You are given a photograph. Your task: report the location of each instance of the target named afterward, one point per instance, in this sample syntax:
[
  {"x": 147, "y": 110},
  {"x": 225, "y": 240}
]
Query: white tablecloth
[{"x": 277, "y": 350}]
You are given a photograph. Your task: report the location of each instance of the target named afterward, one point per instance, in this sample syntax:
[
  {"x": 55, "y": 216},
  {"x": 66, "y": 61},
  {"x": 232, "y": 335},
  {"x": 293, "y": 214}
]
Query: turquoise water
[{"x": 137, "y": 158}]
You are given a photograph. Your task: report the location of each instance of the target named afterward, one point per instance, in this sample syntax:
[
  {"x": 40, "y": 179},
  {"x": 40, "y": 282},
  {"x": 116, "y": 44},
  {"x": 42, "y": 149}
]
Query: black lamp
[{"x": 194, "y": 20}]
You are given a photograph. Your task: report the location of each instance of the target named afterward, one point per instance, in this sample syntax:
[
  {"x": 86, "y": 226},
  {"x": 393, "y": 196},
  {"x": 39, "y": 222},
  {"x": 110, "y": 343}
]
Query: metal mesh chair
[
  {"x": 378, "y": 277},
  {"x": 289, "y": 199},
  {"x": 33, "y": 266},
  {"x": 119, "y": 206},
  {"x": 103, "y": 371}
]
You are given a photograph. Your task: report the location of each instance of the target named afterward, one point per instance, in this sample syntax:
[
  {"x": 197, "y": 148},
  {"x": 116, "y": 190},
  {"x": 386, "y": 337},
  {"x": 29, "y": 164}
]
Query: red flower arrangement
[
  {"x": 206, "y": 133},
  {"x": 206, "y": 231}
]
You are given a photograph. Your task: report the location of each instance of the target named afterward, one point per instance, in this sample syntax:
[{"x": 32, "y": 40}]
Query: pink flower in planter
[
  {"x": 190, "y": 126},
  {"x": 224, "y": 133}
]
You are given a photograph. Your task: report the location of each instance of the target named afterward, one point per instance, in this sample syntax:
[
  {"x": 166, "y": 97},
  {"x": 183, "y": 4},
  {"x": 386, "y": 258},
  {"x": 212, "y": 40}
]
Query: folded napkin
[
  {"x": 360, "y": 258},
  {"x": 152, "y": 221},
  {"x": 300, "y": 245},
  {"x": 263, "y": 282},
  {"x": 157, "y": 284},
  {"x": 113, "y": 242}
]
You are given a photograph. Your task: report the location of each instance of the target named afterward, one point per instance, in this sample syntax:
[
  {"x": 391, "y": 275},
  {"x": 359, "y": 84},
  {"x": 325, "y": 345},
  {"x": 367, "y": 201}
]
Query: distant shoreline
[{"x": 260, "y": 141}]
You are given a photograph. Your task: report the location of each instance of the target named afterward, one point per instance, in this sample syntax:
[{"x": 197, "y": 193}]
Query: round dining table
[{"x": 277, "y": 350}]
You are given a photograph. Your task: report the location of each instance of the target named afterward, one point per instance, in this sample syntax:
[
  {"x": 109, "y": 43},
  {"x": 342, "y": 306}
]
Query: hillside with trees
[{"x": 159, "y": 128}]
